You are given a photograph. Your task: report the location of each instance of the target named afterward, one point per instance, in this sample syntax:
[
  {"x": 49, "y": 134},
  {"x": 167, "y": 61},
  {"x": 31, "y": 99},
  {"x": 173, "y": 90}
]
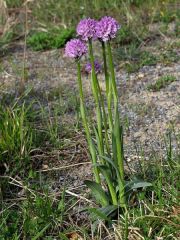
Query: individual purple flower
[
  {"x": 86, "y": 29},
  {"x": 75, "y": 48},
  {"x": 97, "y": 67},
  {"x": 106, "y": 28}
]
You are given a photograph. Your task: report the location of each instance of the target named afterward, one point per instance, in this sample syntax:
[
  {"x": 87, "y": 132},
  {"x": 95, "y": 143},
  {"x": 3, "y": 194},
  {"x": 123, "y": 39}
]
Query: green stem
[
  {"x": 111, "y": 66},
  {"x": 108, "y": 87},
  {"x": 117, "y": 128},
  {"x": 97, "y": 101},
  {"x": 111, "y": 188},
  {"x": 105, "y": 68},
  {"x": 118, "y": 133},
  {"x": 105, "y": 120},
  {"x": 86, "y": 127}
]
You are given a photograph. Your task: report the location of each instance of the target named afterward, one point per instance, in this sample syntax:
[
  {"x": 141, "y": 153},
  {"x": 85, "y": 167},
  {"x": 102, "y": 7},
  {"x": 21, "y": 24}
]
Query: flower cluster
[
  {"x": 86, "y": 29},
  {"x": 97, "y": 67},
  {"x": 75, "y": 48},
  {"x": 105, "y": 29}
]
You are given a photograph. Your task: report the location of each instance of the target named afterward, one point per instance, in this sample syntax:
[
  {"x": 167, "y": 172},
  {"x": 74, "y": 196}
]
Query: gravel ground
[{"x": 148, "y": 115}]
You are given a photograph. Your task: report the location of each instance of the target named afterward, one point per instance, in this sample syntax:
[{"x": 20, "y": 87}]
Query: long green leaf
[
  {"x": 103, "y": 213},
  {"x": 41, "y": 232},
  {"x": 98, "y": 192},
  {"x": 109, "y": 160},
  {"x": 106, "y": 173},
  {"x": 135, "y": 184}
]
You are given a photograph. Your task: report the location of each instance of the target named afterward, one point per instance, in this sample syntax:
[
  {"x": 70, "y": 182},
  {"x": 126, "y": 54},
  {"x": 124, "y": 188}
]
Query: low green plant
[
  {"x": 38, "y": 216},
  {"x": 169, "y": 56},
  {"x": 134, "y": 58},
  {"x": 14, "y": 3},
  {"x": 55, "y": 38},
  {"x": 126, "y": 36},
  {"x": 15, "y": 136},
  {"x": 161, "y": 82},
  {"x": 141, "y": 59},
  {"x": 6, "y": 38}
]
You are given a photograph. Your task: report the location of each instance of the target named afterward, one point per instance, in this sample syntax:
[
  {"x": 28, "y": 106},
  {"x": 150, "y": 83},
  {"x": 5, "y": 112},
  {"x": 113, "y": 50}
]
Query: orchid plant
[{"x": 105, "y": 134}]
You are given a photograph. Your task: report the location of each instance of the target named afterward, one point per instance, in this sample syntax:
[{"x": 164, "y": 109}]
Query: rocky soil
[{"x": 148, "y": 116}]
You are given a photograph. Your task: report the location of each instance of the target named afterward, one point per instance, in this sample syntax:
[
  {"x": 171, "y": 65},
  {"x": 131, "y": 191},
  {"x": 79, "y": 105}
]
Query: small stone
[
  {"x": 45, "y": 166},
  {"x": 140, "y": 75}
]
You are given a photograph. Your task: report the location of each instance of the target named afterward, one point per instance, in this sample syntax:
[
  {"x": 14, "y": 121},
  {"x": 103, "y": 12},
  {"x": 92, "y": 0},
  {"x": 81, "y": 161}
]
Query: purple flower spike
[
  {"x": 75, "y": 48},
  {"x": 86, "y": 29},
  {"x": 97, "y": 66},
  {"x": 107, "y": 28}
]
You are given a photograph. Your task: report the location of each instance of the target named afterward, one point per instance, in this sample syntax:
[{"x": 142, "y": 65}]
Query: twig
[
  {"x": 64, "y": 167},
  {"x": 78, "y": 196}
]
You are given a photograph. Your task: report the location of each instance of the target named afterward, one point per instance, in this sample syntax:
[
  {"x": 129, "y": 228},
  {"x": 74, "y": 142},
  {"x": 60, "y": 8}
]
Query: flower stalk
[
  {"x": 86, "y": 127},
  {"x": 118, "y": 134},
  {"x": 95, "y": 90},
  {"x": 108, "y": 86}
]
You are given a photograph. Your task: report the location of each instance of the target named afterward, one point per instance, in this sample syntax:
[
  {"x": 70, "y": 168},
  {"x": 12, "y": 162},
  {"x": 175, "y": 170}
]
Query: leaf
[
  {"x": 63, "y": 236},
  {"x": 105, "y": 170},
  {"x": 103, "y": 213},
  {"x": 107, "y": 174},
  {"x": 98, "y": 213},
  {"x": 41, "y": 232},
  {"x": 97, "y": 138},
  {"x": 141, "y": 185},
  {"x": 114, "y": 166},
  {"x": 108, "y": 210},
  {"x": 98, "y": 192},
  {"x": 132, "y": 185}
]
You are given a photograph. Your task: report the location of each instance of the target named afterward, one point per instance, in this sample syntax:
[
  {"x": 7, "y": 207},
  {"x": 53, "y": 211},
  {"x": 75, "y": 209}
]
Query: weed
[{"x": 161, "y": 82}]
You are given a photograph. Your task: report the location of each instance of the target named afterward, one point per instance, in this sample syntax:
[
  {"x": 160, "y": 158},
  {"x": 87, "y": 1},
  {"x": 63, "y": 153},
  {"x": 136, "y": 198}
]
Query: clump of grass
[
  {"x": 134, "y": 57},
  {"x": 169, "y": 56},
  {"x": 15, "y": 136},
  {"x": 20, "y": 134},
  {"x": 49, "y": 40},
  {"x": 14, "y": 3},
  {"x": 161, "y": 82},
  {"x": 126, "y": 35},
  {"x": 38, "y": 216}
]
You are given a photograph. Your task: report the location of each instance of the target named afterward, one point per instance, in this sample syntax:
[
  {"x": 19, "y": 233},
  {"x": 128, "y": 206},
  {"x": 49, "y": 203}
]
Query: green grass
[
  {"x": 161, "y": 82},
  {"x": 55, "y": 38},
  {"x": 14, "y": 3},
  {"x": 134, "y": 16},
  {"x": 39, "y": 215},
  {"x": 134, "y": 58}
]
